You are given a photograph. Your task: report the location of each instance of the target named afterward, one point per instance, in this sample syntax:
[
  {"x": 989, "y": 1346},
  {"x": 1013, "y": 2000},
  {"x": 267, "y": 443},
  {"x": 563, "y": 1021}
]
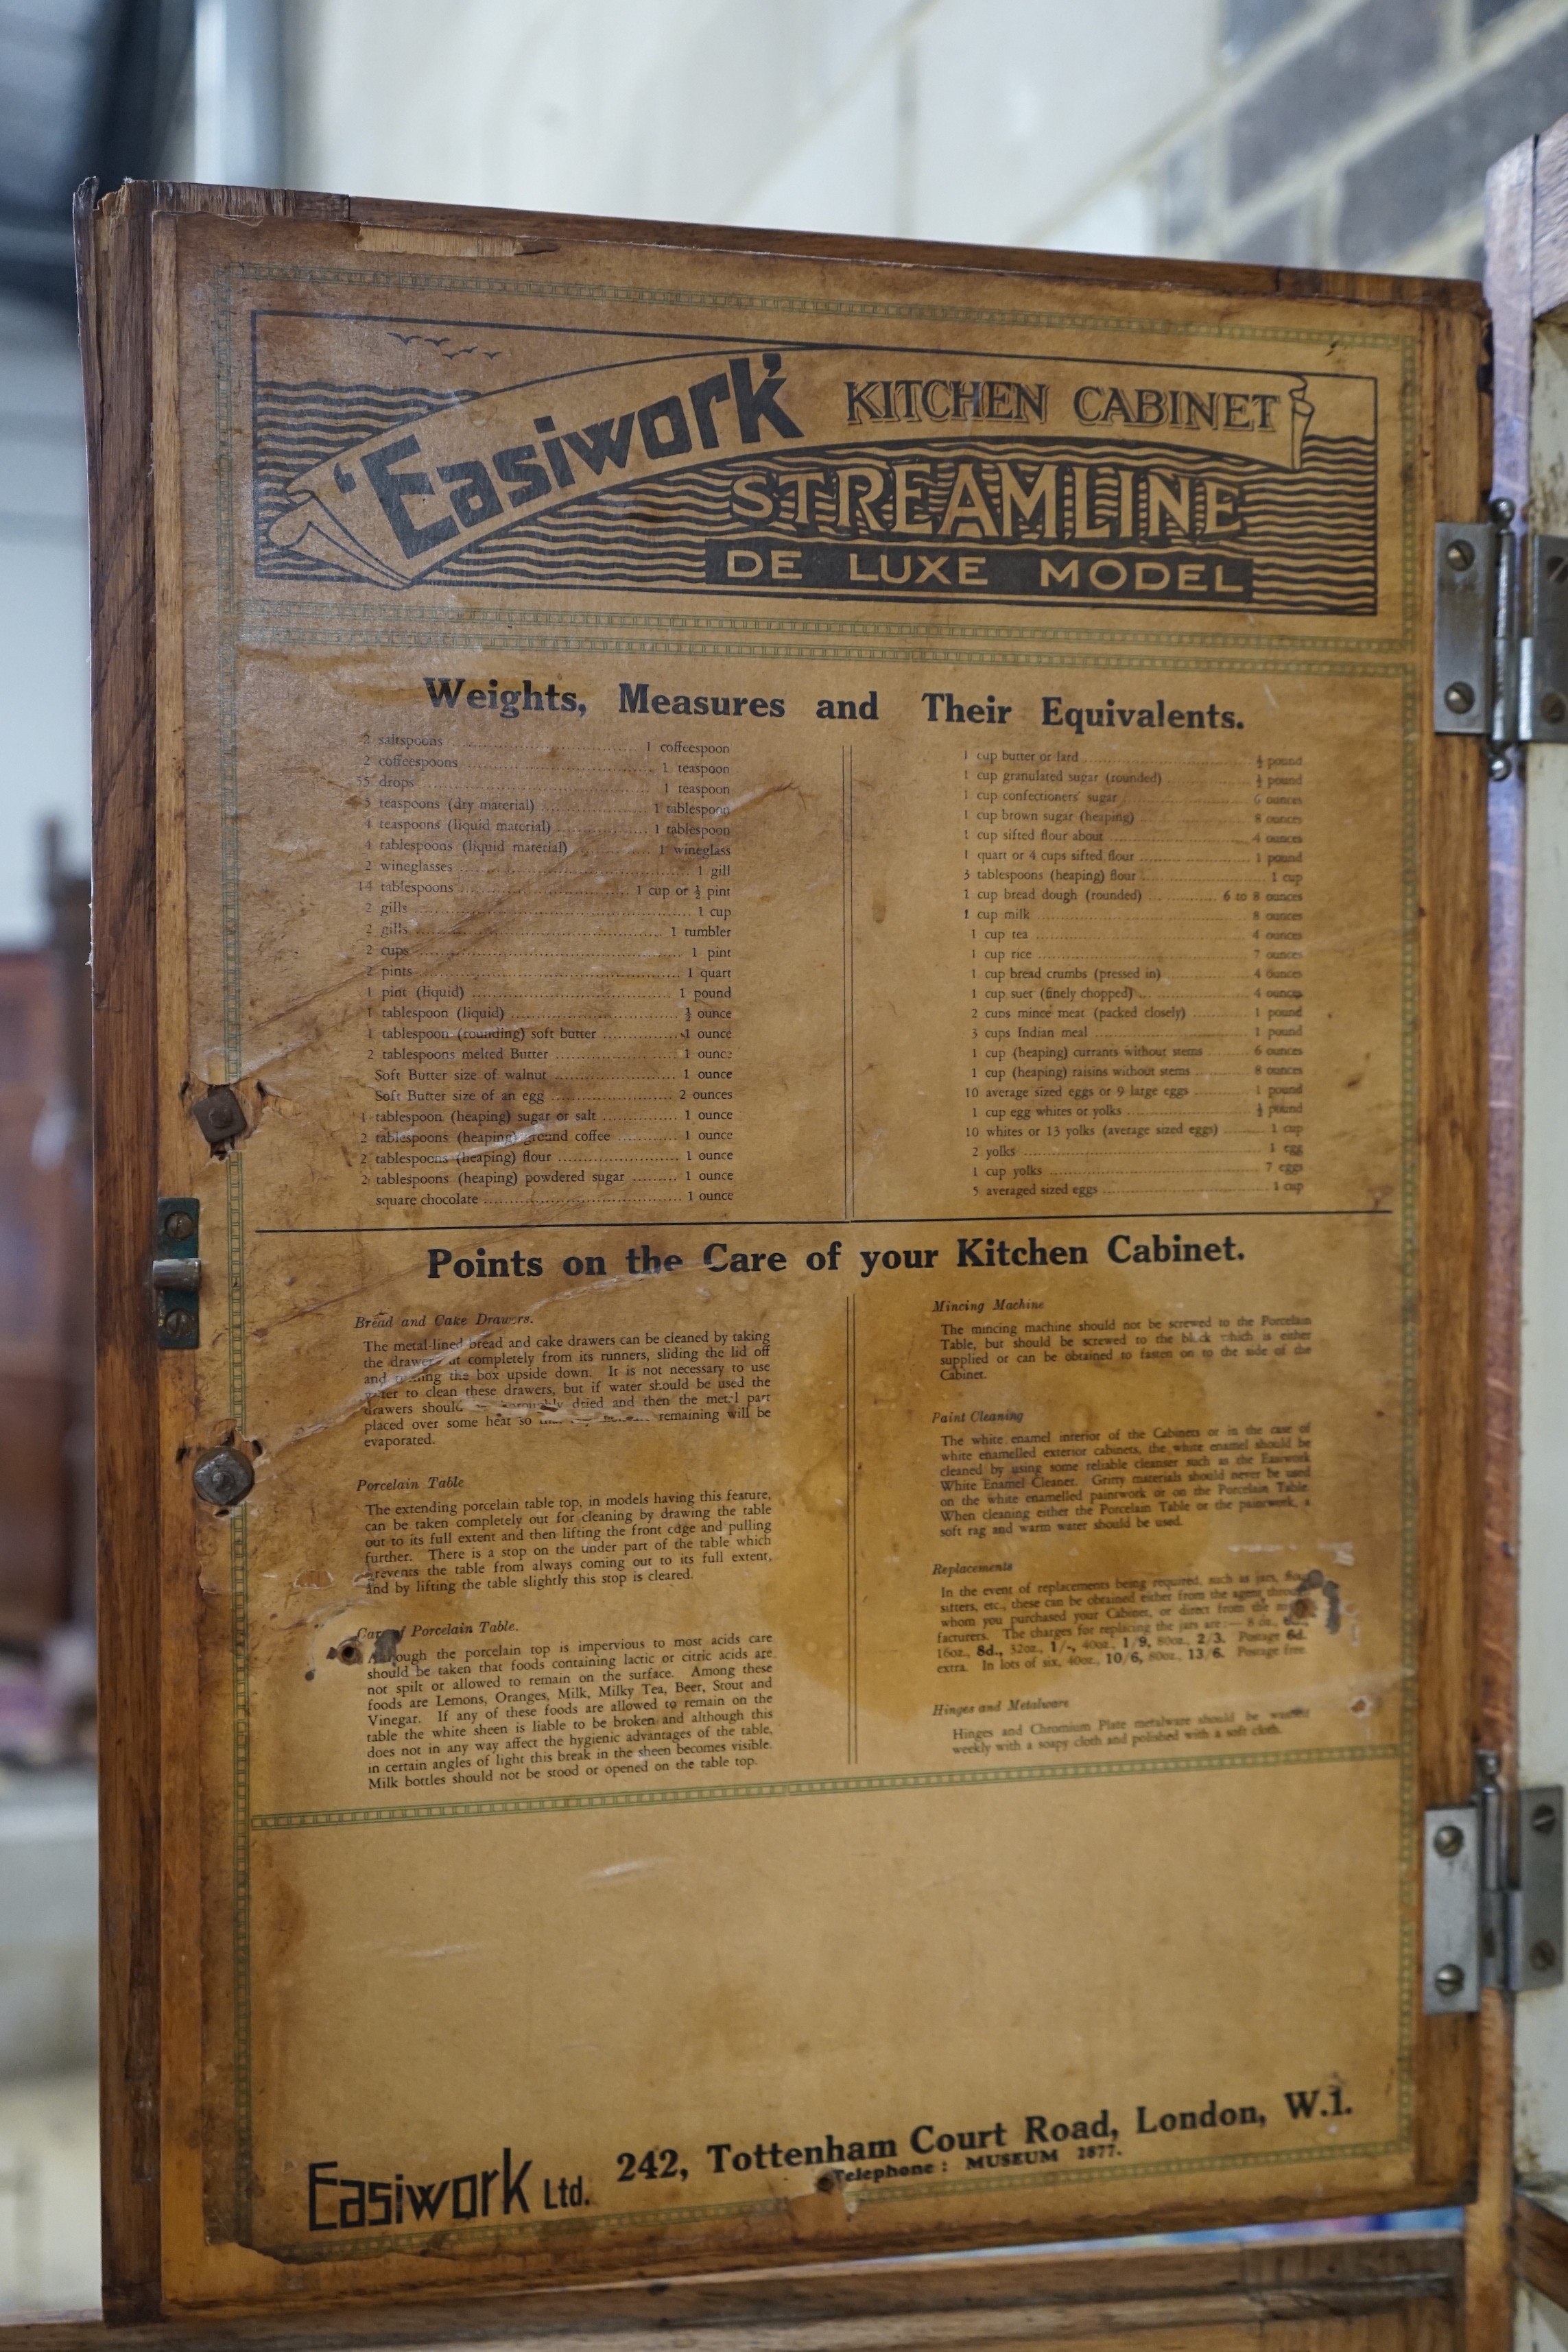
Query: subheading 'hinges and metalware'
[
  {"x": 176, "y": 1275},
  {"x": 1500, "y": 645},
  {"x": 1492, "y": 1900}
]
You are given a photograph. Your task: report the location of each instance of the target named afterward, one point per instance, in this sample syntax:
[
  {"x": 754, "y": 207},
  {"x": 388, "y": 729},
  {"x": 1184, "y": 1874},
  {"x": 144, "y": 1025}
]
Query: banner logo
[{"x": 822, "y": 470}]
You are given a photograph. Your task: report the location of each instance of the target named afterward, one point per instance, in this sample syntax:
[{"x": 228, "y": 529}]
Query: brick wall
[
  {"x": 1357, "y": 133},
  {"x": 1307, "y": 132}
]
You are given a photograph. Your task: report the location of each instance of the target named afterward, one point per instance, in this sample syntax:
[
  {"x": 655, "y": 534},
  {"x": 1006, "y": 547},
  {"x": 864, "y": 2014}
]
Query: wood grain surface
[
  {"x": 115, "y": 266},
  {"x": 166, "y": 1948},
  {"x": 1541, "y": 2249},
  {"x": 1396, "y": 2294}
]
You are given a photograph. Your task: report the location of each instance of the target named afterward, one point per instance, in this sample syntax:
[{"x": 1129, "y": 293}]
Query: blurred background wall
[
  {"x": 1302, "y": 131},
  {"x": 1313, "y": 133},
  {"x": 1307, "y": 133}
]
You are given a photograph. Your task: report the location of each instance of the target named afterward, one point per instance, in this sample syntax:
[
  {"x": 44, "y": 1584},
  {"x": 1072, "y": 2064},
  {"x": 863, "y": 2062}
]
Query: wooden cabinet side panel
[
  {"x": 113, "y": 256},
  {"x": 1454, "y": 950}
]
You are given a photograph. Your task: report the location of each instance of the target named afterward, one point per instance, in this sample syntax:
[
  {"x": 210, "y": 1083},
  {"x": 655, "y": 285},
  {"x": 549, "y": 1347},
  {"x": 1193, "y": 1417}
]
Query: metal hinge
[
  {"x": 1486, "y": 1922},
  {"x": 1500, "y": 643}
]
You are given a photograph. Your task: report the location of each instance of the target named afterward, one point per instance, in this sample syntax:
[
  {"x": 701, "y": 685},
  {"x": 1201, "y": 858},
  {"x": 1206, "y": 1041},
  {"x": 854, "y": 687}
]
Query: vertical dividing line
[
  {"x": 227, "y": 406},
  {"x": 849, "y": 762},
  {"x": 851, "y": 1543},
  {"x": 234, "y": 1243},
  {"x": 851, "y": 1579},
  {"x": 847, "y": 901},
  {"x": 239, "y": 1641}
]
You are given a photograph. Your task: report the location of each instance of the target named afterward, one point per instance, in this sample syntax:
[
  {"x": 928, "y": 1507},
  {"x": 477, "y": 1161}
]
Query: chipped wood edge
[
  {"x": 1326, "y": 2287},
  {"x": 542, "y": 232},
  {"x": 1540, "y": 2247},
  {"x": 113, "y": 260}
]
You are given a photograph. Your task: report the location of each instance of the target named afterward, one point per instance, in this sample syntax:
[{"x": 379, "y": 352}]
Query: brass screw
[
  {"x": 1544, "y": 1819},
  {"x": 179, "y": 1323},
  {"x": 1461, "y": 698},
  {"x": 179, "y": 1224},
  {"x": 1449, "y": 1980},
  {"x": 1449, "y": 1840},
  {"x": 1461, "y": 555}
]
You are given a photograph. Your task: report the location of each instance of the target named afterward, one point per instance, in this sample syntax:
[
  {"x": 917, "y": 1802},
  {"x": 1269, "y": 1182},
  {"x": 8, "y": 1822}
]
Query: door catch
[{"x": 176, "y": 1275}]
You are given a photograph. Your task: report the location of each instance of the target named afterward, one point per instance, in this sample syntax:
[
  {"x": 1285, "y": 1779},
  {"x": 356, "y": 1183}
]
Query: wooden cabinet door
[
  {"x": 1526, "y": 2087},
  {"x": 782, "y": 917}
]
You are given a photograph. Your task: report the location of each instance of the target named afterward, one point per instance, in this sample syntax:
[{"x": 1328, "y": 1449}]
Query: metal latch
[
  {"x": 176, "y": 1274},
  {"x": 1484, "y": 1924}
]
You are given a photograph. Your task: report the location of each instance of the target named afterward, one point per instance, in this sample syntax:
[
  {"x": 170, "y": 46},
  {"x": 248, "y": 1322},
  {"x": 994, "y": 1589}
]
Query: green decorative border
[
  {"x": 481, "y": 2235},
  {"x": 1032, "y": 323},
  {"x": 824, "y": 1784},
  {"x": 655, "y": 633},
  {"x": 1410, "y": 1387},
  {"x": 802, "y": 306},
  {"x": 255, "y": 622},
  {"x": 780, "y": 637}
]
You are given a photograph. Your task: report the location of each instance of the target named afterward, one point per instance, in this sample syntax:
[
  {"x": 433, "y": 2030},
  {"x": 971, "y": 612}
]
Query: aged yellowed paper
[{"x": 806, "y": 877}]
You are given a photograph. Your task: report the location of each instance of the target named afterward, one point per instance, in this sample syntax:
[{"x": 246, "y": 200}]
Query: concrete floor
[
  {"x": 49, "y": 2194},
  {"x": 49, "y": 2081}
]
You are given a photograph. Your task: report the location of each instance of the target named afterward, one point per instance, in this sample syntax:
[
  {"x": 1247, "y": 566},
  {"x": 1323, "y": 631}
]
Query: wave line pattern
[{"x": 1309, "y": 535}]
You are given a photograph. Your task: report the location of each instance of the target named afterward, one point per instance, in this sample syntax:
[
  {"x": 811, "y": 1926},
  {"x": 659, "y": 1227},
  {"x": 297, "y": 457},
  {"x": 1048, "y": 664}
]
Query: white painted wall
[
  {"x": 49, "y": 2197},
  {"x": 44, "y": 769},
  {"x": 993, "y": 120},
  {"x": 1541, "y": 2128}
]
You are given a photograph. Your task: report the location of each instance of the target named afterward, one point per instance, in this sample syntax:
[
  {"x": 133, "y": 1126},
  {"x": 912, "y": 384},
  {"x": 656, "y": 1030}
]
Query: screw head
[
  {"x": 1544, "y": 1820},
  {"x": 1553, "y": 710},
  {"x": 1542, "y": 1955},
  {"x": 179, "y": 1224},
  {"x": 1449, "y": 1839},
  {"x": 218, "y": 1113},
  {"x": 223, "y": 1478},
  {"x": 1460, "y": 698},
  {"x": 1460, "y": 555},
  {"x": 179, "y": 1323},
  {"x": 1449, "y": 1980}
]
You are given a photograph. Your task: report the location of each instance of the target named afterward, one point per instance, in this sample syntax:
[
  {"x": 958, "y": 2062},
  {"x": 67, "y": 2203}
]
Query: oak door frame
[{"x": 1523, "y": 2244}]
